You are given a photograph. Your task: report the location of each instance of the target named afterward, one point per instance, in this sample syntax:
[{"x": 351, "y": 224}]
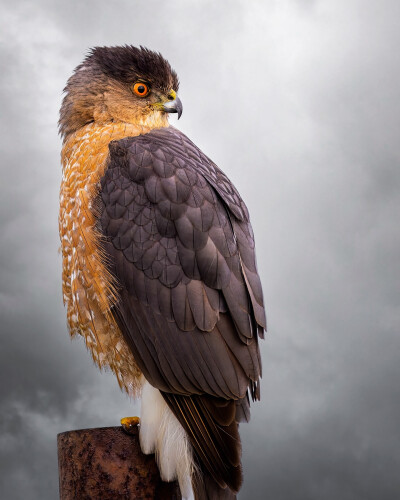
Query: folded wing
[{"x": 178, "y": 239}]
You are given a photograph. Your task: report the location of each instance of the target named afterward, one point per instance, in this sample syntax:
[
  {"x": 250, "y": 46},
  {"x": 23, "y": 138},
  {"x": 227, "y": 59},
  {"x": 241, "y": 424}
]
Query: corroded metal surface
[{"x": 107, "y": 464}]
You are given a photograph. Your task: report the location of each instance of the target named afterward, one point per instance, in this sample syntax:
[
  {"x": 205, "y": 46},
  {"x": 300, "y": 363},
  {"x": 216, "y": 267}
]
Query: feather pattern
[
  {"x": 180, "y": 244},
  {"x": 89, "y": 289}
]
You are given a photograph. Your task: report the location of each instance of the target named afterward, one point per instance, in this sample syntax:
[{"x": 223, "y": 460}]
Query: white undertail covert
[{"x": 162, "y": 434}]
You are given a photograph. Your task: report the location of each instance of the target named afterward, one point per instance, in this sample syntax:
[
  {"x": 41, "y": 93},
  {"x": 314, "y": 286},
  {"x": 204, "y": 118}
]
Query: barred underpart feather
[{"x": 89, "y": 290}]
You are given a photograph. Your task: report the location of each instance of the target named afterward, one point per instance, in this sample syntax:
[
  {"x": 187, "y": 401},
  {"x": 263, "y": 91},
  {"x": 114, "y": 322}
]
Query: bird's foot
[{"x": 129, "y": 424}]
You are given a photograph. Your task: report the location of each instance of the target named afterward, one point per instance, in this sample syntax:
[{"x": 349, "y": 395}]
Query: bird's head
[{"x": 120, "y": 84}]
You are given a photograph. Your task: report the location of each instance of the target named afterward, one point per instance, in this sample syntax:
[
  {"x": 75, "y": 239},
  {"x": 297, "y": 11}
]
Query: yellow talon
[{"x": 129, "y": 423}]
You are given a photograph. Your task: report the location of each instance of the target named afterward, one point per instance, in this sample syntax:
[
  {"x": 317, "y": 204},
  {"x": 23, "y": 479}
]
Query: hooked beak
[{"x": 174, "y": 106}]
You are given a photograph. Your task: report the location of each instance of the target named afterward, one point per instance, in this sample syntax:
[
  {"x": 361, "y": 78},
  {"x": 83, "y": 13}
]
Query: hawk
[{"x": 159, "y": 268}]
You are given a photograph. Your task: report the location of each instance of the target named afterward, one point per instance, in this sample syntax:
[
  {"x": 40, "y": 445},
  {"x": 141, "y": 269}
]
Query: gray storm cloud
[{"x": 298, "y": 102}]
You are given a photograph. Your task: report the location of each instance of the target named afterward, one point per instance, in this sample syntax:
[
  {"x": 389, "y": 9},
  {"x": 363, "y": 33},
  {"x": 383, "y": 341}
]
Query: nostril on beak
[{"x": 171, "y": 97}]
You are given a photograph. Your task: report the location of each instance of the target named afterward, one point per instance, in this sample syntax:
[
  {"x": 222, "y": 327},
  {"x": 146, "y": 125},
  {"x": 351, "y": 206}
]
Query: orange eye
[{"x": 141, "y": 89}]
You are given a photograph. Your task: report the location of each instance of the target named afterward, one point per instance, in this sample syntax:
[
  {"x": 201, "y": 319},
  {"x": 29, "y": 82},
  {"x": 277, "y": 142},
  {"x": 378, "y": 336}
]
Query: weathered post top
[{"x": 108, "y": 464}]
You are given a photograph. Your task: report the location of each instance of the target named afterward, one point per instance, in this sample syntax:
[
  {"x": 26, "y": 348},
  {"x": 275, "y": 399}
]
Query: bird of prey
[{"x": 159, "y": 269}]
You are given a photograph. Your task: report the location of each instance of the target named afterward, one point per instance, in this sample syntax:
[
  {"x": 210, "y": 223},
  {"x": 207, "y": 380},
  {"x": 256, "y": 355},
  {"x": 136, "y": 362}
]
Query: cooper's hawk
[{"x": 159, "y": 269}]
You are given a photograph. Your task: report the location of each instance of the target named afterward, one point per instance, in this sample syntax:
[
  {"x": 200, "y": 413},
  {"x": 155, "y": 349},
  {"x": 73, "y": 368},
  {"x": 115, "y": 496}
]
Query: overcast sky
[{"x": 298, "y": 102}]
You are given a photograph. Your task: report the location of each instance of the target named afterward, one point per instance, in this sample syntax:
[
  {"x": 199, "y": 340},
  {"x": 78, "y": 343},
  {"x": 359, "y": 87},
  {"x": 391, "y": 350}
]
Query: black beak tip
[
  {"x": 174, "y": 106},
  {"x": 178, "y": 107}
]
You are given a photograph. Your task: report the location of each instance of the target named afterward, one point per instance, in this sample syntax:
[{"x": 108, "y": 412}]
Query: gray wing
[
  {"x": 178, "y": 239},
  {"x": 182, "y": 248}
]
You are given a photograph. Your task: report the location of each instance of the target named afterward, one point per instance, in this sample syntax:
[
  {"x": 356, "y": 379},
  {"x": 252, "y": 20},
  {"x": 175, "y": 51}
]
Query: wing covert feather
[
  {"x": 178, "y": 239},
  {"x": 180, "y": 244}
]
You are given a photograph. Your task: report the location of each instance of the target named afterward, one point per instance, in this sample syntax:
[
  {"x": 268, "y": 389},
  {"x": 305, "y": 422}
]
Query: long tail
[
  {"x": 205, "y": 488},
  {"x": 212, "y": 428}
]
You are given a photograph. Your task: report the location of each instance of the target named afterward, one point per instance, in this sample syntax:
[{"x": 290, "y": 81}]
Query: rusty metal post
[{"x": 107, "y": 464}]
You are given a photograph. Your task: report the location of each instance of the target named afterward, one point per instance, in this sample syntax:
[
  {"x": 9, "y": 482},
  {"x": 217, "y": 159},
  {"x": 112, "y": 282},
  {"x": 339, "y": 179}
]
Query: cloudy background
[{"x": 298, "y": 102}]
